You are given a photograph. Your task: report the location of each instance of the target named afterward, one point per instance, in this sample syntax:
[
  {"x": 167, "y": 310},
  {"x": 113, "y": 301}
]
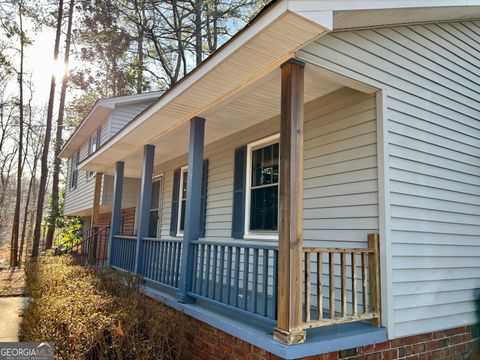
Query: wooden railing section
[{"x": 359, "y": 266}]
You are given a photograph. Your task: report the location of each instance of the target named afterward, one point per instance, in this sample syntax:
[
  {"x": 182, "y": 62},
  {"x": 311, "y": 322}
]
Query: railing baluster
[
  {"x": 237, "y": 274},
  {"x": 214, "y": 272},
  {"x": 265, "y": 282},
  {"x": 255, "y": 279},
  {"x": 331, "y": 259},
  {"x": 202, "y": 259},
  {"x": 364, "y": 284},
  {"x": 229, "y": 273},
  {"x": 156, "y": 260},
  {"x": 162, "y": 258},
  {"x": 195, "y": 267},
  {"x": 222, "y": 266},
  {"x": 307, "y": 286},
  {"x": 275, "y": 284},
  {"x": 171, "y": 268},
  {"x": 319, "y": 285},
  {"x": 177, "y": 271},
  {"x": 170, "y": 259},
  {"x": 246, "y": 258},
  {"x": 354, "y": 284},
  {"x": 207, "y": 271},
  {"x": 343, "y": 261}
]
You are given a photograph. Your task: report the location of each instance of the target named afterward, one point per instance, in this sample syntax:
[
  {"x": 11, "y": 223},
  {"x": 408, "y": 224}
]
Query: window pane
[
  {"x": 264, "y": 208},
  {"x": 182, "y": 215},
  {"x": 265, "y": 165},
  {"x": 184, "y": 185},
  {"x": 152, "y": 228},
  {"x": 155, "y": 195}
]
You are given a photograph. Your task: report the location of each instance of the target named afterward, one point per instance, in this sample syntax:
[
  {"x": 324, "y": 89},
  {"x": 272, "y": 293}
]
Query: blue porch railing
[
  {"x": 239, "y": 276},
  {"x": 162, "y": 260},
  {"x": 122, "y": 252}
]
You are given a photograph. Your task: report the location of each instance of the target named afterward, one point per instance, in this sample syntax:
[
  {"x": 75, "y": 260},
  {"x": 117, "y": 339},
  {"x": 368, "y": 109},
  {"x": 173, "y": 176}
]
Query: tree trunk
[
  {"x": 18, "y": 200},
  {"x": 48, "y": 130},
  {"x": 198, "y": 31},
  {"x": 140, "y": 61},
  {"x": 54, "y": 213}
]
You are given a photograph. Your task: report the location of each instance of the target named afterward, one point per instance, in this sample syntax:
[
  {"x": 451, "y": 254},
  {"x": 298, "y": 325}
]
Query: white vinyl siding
[
  {"x": 80, "y": 199},
  {"x": 341, "y": 196},
  {"x": 123, "y": 114},
  {"x": 431, "y": 76}
]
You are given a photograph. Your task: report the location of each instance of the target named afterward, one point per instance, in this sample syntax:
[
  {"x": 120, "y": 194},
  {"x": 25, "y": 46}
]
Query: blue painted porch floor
[{"x": 319, "y": 341}]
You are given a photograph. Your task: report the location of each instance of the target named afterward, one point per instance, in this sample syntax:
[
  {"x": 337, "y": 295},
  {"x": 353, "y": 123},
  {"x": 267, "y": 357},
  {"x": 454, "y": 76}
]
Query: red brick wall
[
  {"x": 128, "y": 226},
  {"x": 205, "y": 342},
  {"x": 128, "y": 221}
]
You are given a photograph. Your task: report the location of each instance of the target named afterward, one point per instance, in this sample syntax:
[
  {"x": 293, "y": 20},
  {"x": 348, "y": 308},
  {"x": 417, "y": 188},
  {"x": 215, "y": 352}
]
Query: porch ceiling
[{"x": 253, "y": 104}]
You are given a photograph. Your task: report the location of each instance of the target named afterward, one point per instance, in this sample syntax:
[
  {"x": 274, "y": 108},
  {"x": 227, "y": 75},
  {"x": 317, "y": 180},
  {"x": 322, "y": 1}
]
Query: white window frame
[
  {"x": 92, "y": 142},
  {"x": 183, "y": 170},
  {"x": 159, "y": 177},
  {"x": 248, "y": 234}
]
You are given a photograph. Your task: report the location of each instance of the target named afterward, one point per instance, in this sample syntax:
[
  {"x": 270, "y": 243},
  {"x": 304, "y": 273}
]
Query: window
[
  {"x": 74, "y": 171},
  {"x": 93, "y": 145},
  {"x": 156, "y": 207},
  {"x": 261, "y": 214},
  {"x": 182, "y": 200}
]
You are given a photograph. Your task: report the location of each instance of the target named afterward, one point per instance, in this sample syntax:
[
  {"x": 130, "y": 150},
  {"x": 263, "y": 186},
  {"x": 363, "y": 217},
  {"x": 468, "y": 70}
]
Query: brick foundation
[{"x": 203, "y": 341}]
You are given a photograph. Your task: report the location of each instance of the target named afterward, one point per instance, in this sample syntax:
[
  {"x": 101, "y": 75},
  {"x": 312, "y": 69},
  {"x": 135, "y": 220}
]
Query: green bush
[{"x": 96, "y": 314}]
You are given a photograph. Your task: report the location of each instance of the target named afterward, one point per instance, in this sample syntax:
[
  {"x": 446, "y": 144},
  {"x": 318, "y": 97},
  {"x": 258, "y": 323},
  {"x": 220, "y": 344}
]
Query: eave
[{"x": 275, "y": 35}]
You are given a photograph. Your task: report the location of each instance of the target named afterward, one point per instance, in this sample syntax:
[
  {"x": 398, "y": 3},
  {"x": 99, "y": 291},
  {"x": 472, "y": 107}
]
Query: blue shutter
[
  {"x": 175, "y": 193},
  {"x": 239, "y": 174},
  {"x": 203, "y": 209}
]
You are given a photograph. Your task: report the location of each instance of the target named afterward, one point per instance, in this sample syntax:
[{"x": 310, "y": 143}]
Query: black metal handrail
[
  {"x": 93, "y": 249},
  {"x": 77, "y": 240}
]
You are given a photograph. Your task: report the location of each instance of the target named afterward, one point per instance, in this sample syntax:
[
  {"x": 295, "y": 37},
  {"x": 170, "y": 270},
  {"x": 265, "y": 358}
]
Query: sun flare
[{"x": 58, "y": 69}]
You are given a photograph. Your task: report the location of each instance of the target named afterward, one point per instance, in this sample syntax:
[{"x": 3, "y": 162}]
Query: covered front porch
[{"x": 275, "y": 278}]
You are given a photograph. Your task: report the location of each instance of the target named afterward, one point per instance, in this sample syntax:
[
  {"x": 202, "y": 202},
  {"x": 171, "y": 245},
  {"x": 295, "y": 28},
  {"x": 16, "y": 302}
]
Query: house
[{"x": 313, "y": 187}]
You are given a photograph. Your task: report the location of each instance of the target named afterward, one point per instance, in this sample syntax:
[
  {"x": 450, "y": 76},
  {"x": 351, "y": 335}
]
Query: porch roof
[{"x": 239, "y": 84}]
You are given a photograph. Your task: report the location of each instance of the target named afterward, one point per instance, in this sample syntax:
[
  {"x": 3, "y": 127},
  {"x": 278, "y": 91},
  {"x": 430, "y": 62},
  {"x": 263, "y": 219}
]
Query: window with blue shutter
[
  {"x": 239, "y": 176},
  {"x": 175, "y": 193}
]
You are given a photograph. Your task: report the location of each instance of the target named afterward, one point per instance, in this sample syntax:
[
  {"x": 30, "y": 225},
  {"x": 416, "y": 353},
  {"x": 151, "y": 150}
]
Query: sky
[{"x": 39, "y": 61}]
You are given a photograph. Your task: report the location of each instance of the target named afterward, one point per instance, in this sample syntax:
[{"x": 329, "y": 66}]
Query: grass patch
[{"x": 96, "y": 314}]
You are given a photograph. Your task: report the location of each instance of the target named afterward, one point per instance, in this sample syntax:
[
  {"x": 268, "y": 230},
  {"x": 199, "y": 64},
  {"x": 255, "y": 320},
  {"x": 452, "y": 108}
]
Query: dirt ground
[{"x": 12, "y": 282}]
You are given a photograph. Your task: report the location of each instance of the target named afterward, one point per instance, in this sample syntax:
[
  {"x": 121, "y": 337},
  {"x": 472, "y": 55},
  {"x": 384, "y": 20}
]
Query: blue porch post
[
  {"x": 145, "y": 200},
  {"x": 193, "y": 206},
  {"x": 116, "y": 206}
]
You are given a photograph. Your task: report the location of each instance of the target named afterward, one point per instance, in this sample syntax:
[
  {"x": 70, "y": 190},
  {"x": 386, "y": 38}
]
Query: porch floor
[{"x": 319, "y": 340}]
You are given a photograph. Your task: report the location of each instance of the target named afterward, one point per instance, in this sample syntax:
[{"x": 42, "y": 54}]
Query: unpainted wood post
[
  {"x": 145, "y": 202},
  {"x": 289, "y": 328},
  {"x": 95, "y": 215},
  {"x": 193, "y": 207},
  {"x": 116, "y": 205},
  {"x": 374, "y": 276}
]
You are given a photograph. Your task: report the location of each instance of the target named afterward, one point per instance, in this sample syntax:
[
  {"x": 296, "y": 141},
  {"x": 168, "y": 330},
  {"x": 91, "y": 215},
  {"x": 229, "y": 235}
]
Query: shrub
[{"x": 96, "y": 314}]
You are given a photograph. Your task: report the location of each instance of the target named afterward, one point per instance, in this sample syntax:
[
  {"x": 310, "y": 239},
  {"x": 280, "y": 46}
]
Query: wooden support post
[
  {"x": 145, "y": 202},
  {"x": 193, "y": 206},
  {"x": 116, "y": 205},
  {"x": 374, "y": 276},
  {"x": 290, "y": 238},
  {"x": 91, "y": 243}
]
